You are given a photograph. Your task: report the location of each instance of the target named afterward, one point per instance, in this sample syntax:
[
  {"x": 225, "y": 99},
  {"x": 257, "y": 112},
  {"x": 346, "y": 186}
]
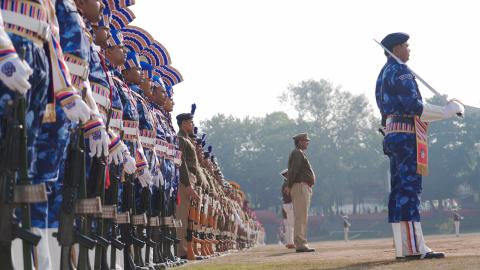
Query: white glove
[
  {"x": 144, "y": 177},
  {"x": 117, "y": 155},
  {"x": 157, "y": 177},
  {"x": 433, "y": 113},
  {"x": 129, "y": 164},
  {"x": 454, "y": 107},
  {"x": 14, "y": 73},
  {"x": 77, "y": 110},
  {"x": 99, "y": 142}
]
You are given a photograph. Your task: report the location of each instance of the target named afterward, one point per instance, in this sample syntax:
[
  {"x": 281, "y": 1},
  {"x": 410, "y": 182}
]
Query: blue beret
[{"x": 393, "y": 39}]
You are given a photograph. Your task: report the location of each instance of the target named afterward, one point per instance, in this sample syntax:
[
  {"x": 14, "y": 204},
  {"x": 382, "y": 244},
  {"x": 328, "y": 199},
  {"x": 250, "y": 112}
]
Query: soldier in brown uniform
[
  {"x": 188, "y": 170},
  {"x": 301, "y": 178}
]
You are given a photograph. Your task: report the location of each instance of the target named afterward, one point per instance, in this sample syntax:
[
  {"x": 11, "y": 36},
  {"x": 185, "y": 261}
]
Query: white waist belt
[
  {"x": 101, "y": 100},
  {"x": 78, "y": 70},
  {"x": 130, "y": 131},
  {"x": 39, "y": 27},
  {"x": 147, "y": 140},
  {"x": 116, "y": 123}
]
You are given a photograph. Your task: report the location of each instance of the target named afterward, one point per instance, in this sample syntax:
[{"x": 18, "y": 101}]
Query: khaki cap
[{"x": 301, "y": 136}]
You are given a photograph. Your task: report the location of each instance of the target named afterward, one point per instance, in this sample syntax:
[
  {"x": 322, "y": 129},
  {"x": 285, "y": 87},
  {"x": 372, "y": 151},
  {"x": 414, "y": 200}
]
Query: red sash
[{"x": 421, "y": 130}]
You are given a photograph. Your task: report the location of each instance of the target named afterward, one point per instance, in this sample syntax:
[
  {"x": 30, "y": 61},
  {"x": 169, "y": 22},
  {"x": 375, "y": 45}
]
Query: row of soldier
[{"x": 85, "y": 107}]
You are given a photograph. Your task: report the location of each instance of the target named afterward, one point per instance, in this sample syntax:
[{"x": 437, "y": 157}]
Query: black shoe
[
  {"x": 305, "y": 249},
  {"x": 410, "y": 257},
  {"x": 434, "y": 255}
]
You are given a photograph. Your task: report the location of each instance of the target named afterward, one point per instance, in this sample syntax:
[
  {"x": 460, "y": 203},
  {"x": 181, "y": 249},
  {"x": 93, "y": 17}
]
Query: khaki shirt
[
  {"x": 299, "y": 169},
  {"x": 188, "y": 169}
]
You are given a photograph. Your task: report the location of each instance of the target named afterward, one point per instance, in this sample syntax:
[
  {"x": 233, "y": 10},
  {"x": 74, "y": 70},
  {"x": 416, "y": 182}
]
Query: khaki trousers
[
  {"x": 301, "y": 194},
  {"x": 182, "y": 214}
]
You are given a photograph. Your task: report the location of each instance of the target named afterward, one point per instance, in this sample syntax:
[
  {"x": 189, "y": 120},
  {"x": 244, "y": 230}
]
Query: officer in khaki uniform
[
  {"x": 188, "y": 172},
  {"x": 301, "y": 178}
]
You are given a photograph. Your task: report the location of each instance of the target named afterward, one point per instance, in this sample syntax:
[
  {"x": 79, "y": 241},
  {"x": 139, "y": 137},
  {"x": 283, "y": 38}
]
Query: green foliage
[{"x": 345, "y": 149}]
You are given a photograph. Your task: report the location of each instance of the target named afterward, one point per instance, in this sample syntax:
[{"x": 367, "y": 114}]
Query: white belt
[
  {"x": 39, "y": 27},
  {"x": 101, "y": 100},
  {"x": 130, "y": 131},
  {"x": 159, "y": 148},
  {"x": 78, "y": 70},
  {"x": 147, "y": 140},
  {"x": 116, "y": 123}
]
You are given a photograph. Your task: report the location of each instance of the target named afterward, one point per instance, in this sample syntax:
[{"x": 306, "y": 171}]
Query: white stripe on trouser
[
  {"x": 42, "y": 250},
  {"x": 411, "y": 237},
  {"x": 397, "y": 239},
  {"x": 457, "y": 228},
  {"x": 289, "y": 223},
  {"x": 408, "y": 239}
]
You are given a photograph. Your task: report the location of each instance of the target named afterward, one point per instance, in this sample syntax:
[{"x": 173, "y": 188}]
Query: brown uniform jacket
[
  {"x": 188, "y": 169},
  {"x": 299, "y": 169}
]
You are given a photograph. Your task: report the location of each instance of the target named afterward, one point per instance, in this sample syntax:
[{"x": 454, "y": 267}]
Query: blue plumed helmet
[
  {"x": 105, "y": 18},
  {"x": 147, "y": 68},
  {"x": 204, "y": 136},
  {"x": 157, "y": 81},
  {"x": 194, "y": 108},
  {"x": 132, "y": 61},
  {"x": 115, "y": 38},
  {"x": 169, "y": 91}
]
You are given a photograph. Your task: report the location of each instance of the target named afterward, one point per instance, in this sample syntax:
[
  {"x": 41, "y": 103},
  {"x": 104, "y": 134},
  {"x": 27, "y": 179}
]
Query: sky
[{"x": 238, "y": 57}]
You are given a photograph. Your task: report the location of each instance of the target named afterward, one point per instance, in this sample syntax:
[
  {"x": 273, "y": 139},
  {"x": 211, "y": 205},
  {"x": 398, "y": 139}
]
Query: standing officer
[
  {"x": 456, "y": 221},
  {"x": 406, "y": 118},
  {"x": 188, "y": 170},
  {"x": 301, "y": 178}
]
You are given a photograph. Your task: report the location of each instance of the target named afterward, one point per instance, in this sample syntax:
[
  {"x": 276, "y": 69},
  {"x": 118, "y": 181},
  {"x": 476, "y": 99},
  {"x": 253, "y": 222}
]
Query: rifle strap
[
  {"x": 139, "y": 219},
  {"x": 109, "y": 212},
  {"x": 153, "y": 222},
  {"x": 30, "y": 193},
  {"x": 123, "y": 218},
  {"x": 90, "y": 206}
]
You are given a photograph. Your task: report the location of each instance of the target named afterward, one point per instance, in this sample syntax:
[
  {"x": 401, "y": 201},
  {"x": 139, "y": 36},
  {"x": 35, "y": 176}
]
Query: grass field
[{"x": 461, "y": 254}]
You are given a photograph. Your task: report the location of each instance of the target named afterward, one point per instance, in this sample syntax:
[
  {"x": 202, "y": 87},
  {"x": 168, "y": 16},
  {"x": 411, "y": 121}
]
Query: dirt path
[{"x": 378, "y": 254}]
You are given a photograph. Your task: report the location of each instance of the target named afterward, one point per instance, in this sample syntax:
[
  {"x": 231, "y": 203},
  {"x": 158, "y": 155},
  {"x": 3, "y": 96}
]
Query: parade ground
[{"x": 462, "y": 253}]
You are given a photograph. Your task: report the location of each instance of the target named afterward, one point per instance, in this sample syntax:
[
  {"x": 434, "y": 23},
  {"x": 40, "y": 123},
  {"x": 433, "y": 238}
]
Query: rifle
[
  {"x": 94, "y": 207},
  {"x": 127, "y": 229},
  {"x": 152, "y": 223},
  {"x": 97, "y": 189},
  {"x": 74, "y": 204},
  {"x": 13, "y": 168},
  {"x": 97, "y": 177},
  {"x": 112, "y": 200}
]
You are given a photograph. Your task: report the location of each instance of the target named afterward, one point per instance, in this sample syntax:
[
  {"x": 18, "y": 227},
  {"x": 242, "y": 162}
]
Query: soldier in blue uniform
[
  {"x": 406, "y": 117},
  {"x": 50, "y": 79}
]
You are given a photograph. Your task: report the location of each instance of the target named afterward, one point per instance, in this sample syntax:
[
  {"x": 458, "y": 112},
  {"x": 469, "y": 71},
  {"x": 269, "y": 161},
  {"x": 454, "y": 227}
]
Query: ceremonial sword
[{"x": 435, "y": 92}]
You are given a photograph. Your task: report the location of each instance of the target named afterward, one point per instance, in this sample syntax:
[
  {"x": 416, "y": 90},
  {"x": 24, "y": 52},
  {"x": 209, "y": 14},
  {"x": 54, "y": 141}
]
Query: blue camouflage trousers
[
  {"x": 51, "y": 147},
  {"x": 406, "y": 184}
]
